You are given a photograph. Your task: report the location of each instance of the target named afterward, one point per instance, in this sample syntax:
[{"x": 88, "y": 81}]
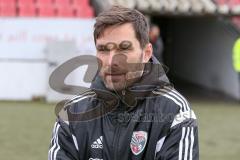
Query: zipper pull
[{"x": 123, "y": 92}]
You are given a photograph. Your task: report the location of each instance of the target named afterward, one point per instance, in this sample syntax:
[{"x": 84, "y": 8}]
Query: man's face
[{"x": 116, "y": 48}]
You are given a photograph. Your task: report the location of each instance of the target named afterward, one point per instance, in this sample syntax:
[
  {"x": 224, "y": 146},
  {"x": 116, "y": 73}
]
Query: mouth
[{"x": 114, "y": 76}]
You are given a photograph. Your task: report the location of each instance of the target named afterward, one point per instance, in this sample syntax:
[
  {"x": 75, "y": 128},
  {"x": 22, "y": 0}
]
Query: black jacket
[{"x": 148, "y": 121}]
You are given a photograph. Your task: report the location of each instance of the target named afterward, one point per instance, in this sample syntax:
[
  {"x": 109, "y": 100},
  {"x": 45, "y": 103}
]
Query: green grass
[
  {"x": 219, "y": 130},
  {"x": 26, "y": 130}
]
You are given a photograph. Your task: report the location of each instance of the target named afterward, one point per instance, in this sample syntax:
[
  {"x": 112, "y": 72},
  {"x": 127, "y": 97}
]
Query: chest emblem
[{"x": 138, "y": 142}]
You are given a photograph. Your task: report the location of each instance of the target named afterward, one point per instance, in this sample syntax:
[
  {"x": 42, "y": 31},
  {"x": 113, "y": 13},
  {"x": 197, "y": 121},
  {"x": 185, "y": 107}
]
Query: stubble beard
[{"x": 124, "y": 77}]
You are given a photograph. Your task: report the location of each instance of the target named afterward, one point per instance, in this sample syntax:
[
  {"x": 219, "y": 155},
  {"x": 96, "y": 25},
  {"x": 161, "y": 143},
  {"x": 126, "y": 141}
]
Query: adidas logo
[{"x": 98, "y": 143}]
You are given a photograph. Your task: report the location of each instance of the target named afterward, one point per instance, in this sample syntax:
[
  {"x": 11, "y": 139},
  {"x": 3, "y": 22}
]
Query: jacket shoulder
[
  {"x": 77, "y": 104},
  {"x": 172, "y": 97},
  {"x": 176, "y": 104}
]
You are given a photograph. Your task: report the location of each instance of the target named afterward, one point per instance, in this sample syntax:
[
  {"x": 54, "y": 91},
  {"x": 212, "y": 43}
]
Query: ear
[{"x": 147, "y": 53}]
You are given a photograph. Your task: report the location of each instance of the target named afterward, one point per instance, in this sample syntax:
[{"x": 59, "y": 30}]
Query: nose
[
  {"x": 112, "y": 59},
  {"x": 116, "y": 59}
]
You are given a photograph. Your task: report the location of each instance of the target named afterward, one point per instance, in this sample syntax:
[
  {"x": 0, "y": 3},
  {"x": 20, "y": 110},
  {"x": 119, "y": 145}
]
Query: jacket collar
[{"x": 154, "y": 77}]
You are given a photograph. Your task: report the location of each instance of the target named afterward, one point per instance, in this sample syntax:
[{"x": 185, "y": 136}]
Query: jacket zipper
[
  {"x": 116, "y": 136},
  {"x": 115, "y": 142}
]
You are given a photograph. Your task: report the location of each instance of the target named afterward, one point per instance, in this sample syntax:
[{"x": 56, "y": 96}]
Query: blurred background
[{"x": 194, "y": 39}]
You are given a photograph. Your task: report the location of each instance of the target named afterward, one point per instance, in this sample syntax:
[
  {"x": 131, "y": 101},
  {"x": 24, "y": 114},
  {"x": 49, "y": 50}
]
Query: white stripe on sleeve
[
  {"x": 181, "y": 144},
  {"x": 53, "y": 148},
  {"x": 192, "y": 142},
  {"x": 186, "y": 144},
  {"x": 58, "y": 147}
]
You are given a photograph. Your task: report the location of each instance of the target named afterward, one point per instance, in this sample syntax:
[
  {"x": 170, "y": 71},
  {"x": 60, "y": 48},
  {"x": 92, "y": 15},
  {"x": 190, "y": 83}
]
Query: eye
[
  {"x": 102, "y": 49},
  {"x": 125, "y": 45},
  {"x": 103, "y": 52},
  {"x": 110, "y": 46}
]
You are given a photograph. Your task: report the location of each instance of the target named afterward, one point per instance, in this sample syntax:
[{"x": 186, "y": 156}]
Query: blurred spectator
[
  {"x": 156, "y": 40},
  {"x": 236, "y": 58}
]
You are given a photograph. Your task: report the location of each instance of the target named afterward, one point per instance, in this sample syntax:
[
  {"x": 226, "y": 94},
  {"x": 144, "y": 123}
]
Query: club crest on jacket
[{"x": 138, "y": 142}]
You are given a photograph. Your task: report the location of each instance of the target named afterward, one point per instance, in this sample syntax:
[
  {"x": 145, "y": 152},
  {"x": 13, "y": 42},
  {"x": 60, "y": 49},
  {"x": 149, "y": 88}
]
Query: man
[
  {"x": 131, "y": 111},
  {"x": 156, "y": 41}
]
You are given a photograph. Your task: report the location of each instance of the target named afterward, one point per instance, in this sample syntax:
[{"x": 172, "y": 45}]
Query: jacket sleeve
[
  {"x": 63, "y": 144},
  {"x": 181, "y": 142}
]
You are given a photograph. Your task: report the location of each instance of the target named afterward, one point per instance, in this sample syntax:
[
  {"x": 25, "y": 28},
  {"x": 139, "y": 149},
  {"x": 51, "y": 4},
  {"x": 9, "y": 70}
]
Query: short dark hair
[{"x": 118, "y": 15}]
